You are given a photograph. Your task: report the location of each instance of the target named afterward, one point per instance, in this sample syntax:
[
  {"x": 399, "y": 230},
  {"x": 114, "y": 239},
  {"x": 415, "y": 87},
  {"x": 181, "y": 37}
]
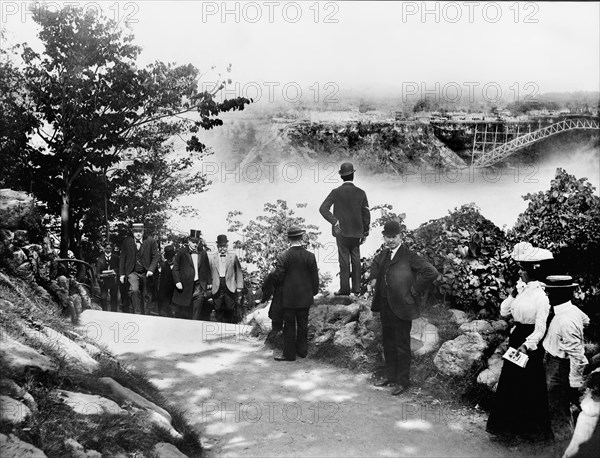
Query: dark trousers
[
  {"x": 124, "y": 292},
  {"x": 138, "y": 286},
  {"x": 224, "y": 304},
  {"x": 295, "y": 332},
  {"x": 201, "y": 307},
  {"x": 349, "y": 256},
  {"x": 396, "y": 346},
  {"x": 557, "y": 381},
  {"x": 109, "y": 285}
]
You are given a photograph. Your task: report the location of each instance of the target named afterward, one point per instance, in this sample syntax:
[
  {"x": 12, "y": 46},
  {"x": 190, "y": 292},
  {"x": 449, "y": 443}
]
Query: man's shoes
[
  {"x": 399, "y": 389},
  {"x": 281, "y": 358},
  {"x": 384, "y": 382},
  {"x": 339, "y": 293},
  {"x": 301, "y": 356}
]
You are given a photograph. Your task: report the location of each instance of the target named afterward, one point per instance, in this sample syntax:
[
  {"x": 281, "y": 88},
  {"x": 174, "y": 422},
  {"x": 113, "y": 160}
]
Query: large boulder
[
  {"x": 13, "y": 447},
  {"x": 424, "y": 337},
  {"x": 482, "y": 327},
  {"x": 166, "y": 450},
  {"x": 88, "y": 404},
  {"x": 20, "y": 358},
  {"x": 490, "y": 376},
  {"x": 456, "y": 357},
  {"x": 122, "y": 394},
  {"x": 74, "y": 355},
  {"x": 13, "y": 411}
]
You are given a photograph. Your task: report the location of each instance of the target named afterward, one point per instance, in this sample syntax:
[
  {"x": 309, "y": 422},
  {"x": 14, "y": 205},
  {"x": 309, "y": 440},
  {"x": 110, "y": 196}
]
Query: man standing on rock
[
  {"x": 139, "y": 260},
  {"x": 350, "y": 226},
  {"x": 298, "y": 275},
  {"x": 399, "y": 276}
]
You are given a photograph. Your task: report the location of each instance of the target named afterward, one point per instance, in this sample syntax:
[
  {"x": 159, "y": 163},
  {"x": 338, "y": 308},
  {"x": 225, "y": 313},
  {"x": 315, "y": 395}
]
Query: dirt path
[{"x": 246, "y": 404}]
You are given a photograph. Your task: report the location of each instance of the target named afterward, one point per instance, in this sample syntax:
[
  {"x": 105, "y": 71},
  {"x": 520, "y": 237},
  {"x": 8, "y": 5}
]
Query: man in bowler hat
[
  {"x": 139, "y": 260},
  {"x": 166, "y": 284},
  {"x": 350, "y": 226},
  {"x": 565, "y": 357},
  {"x": 399, "y": 276},
  {"x": 297, "y": 273},
  {"x": 191, "y": 274},
  {"x": 227, "y": 281}
]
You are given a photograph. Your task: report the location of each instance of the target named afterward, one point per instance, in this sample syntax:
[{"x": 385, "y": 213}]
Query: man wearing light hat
[
  {"x": 565, "y": 359},
  {"x": 350, "y": 226},
  {"x": 138, "y": 262},
  {"x": 298, "y": 275}
]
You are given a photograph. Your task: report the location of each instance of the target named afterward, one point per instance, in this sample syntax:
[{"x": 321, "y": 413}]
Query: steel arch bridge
[{"x": 501, "y": 152}]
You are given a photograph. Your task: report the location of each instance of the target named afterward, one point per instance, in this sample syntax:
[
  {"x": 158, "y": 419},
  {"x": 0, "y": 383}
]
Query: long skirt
[{"x": 521, "y": 401}]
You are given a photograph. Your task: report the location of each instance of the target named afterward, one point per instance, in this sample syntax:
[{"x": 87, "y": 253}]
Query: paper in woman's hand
[{"x": 516, "y": 357}]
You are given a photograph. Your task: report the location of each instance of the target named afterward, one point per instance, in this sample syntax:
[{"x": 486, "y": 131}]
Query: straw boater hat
[
  {"x": 526, "y": 252},
  {"x": 560, "y": 281},
  {"x": 137, "y": 227}
]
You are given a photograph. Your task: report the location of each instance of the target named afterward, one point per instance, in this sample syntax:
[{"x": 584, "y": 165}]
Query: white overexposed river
[{"x": 421, "y": 195}]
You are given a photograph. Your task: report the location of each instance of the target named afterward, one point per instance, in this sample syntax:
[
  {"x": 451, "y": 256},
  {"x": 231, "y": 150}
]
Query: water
[{"x": 422, "y": 194}]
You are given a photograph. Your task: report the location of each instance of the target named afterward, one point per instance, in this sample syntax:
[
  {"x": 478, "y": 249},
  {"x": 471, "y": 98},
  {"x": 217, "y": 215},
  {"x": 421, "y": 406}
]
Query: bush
[
  {"x": 566, "y": 220},
  {"x": 471, "y": 254}
]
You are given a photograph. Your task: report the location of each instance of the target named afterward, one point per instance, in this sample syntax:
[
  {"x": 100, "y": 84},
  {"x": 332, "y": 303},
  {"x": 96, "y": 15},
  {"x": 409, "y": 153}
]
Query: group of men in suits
[{"x": 189, "y": 284}]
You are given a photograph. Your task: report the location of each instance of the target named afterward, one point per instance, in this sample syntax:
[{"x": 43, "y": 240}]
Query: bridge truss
[{"x": 499, "y": 153}]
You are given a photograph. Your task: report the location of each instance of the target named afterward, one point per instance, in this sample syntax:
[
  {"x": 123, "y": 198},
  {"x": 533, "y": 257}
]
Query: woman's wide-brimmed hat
[{"x": 526, "y": 252}]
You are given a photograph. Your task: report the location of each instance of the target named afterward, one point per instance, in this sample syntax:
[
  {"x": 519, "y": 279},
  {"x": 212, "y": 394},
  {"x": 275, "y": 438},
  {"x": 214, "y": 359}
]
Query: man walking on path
[
  {"x": 191, "y": 274},
  {"x": 227, "y": 281},
  {"x": 399, "y": 276},
  {"x": 139, "y": 260},
  {"x": 298, "y": 275},
  {"x": 350, "y": 226}
]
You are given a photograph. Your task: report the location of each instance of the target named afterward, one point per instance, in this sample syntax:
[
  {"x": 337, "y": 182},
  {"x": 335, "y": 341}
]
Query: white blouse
[{"x": 531, "y": 306}]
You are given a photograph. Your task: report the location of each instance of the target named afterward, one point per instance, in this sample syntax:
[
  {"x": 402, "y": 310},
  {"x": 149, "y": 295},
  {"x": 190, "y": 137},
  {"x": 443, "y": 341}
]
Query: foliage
[
  {"x": 265, "y": 238},
  {"x": 566, "y": 220},
  {"x": 92, "y": 103},
  {"x": 470, "y": 253}
]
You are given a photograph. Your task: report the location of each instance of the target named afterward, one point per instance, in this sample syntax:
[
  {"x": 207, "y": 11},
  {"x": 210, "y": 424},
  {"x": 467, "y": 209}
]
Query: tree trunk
[{"x": 65, "y": 213}]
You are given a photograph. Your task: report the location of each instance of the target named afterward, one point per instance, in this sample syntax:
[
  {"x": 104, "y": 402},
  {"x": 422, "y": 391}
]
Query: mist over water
[{"x": 422, "y": 194}]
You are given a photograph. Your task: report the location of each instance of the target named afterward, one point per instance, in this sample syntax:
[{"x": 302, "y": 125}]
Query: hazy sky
[{"x": 321, "y": 48}]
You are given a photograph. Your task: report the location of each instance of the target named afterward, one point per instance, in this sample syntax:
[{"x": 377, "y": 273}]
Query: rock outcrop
[{"x": 457, "y": 357}]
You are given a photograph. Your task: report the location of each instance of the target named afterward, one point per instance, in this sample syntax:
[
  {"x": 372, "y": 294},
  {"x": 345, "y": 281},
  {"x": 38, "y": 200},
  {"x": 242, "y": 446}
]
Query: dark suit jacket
[
  {"x": 272, "y": 288},
  {"x": 166, "y": 284},
  {"x": 406, "y": 273},
  {"x": 350, "y": 208},
  {"x": 299, "y": 277},
  {"x": 183, "y": 271},
  {"x": 101, "y": 265},
  {"x": 149, "y": 255}
]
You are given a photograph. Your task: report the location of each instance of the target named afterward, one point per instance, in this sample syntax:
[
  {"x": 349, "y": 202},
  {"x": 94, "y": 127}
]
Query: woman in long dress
[{"x": 521, "y": 400}]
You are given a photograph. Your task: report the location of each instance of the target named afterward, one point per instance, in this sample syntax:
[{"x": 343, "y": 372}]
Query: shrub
[
  {"x": 566, "y": 220},
  {"x": 471, "y": 254}
]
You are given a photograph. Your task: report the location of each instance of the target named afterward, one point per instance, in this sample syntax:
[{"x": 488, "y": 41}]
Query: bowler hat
[
  {"x": 295, "y": 231},
  {"x": 391, "y": 228},
  {"x": 346, "y": 169},
  {"x": 169, "y": 252},
  {"x": 560, "y": 281},
  {"x": 195, "y": 235},
  {"x": 222, "y": 239},
  {"x": 526, "y": 252},
  {"x": 137, "y": 227}
]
